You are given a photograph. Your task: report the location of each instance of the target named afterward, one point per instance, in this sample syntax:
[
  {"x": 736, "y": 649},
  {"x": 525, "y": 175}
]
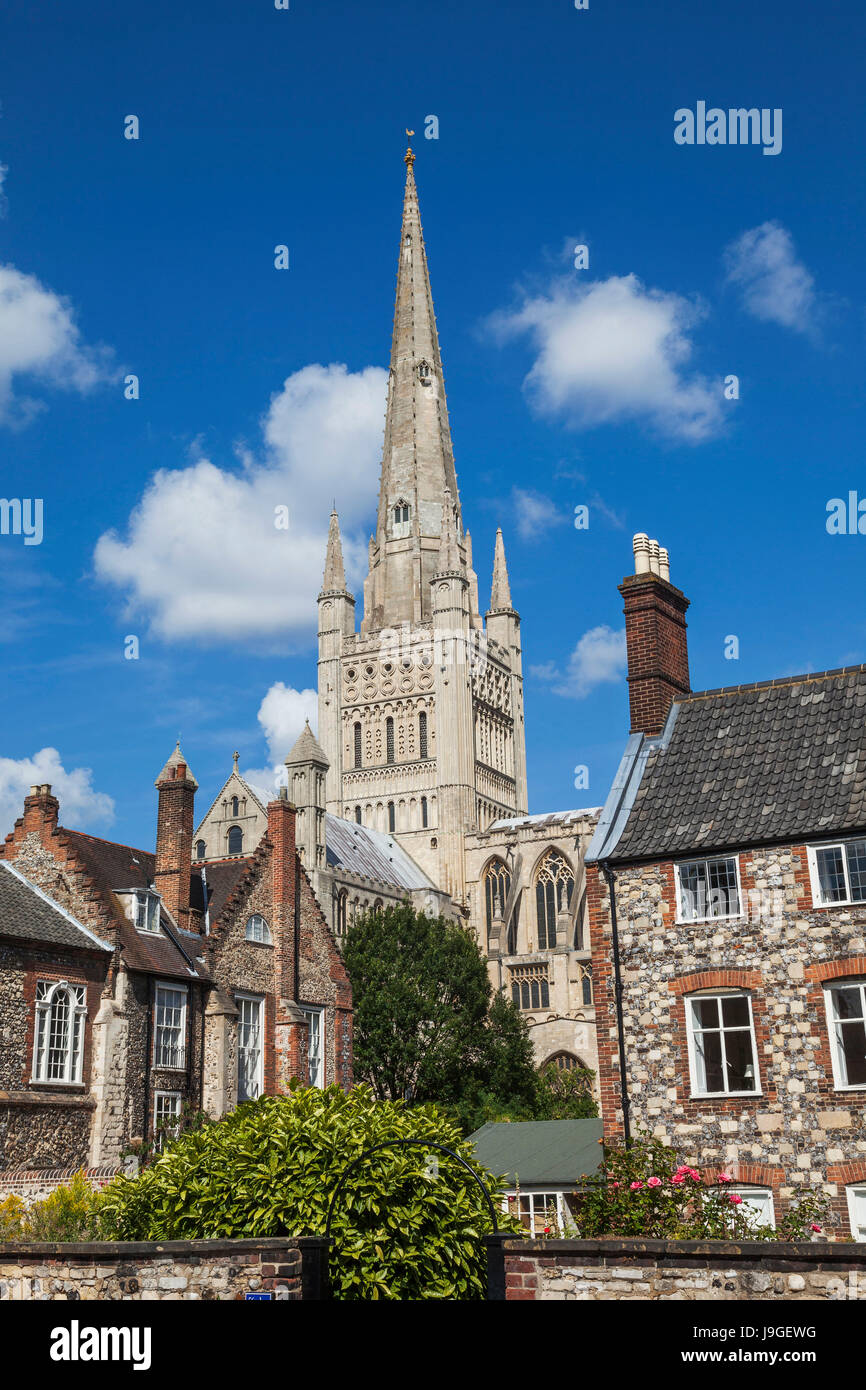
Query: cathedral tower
[{"x": 421, "y": 713}]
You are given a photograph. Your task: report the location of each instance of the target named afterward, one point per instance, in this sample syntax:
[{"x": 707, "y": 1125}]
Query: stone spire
[
  {"x": 500, "y": 593},
  {"x": 418, "y": 459},
  {"x": 334, "y": 580},
  {"x": 450, "y": 560}
]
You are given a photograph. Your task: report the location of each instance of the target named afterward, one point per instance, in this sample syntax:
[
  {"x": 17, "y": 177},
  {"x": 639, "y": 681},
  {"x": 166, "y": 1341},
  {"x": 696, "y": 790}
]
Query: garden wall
[
  {"x": 681, "y": 1270},
  {"x": 35, "y": 1184},
  {"x": 288, "y": 1269}
]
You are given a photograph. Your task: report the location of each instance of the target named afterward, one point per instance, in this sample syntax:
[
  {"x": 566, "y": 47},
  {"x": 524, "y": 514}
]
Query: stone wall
[
  {"x": 657, "y": 1270},
  {"x": 288, "y": 1269},
  {"x": 35, "y": 1184},
  {"x": 797, "y": 1133}
]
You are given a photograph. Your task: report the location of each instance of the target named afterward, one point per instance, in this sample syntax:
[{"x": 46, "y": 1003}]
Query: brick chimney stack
[
  {"x": 174, "y": 827},
  {"x": 41, "y": 810},
  {"x": 655, "y": 631},
  {"x": 291, "y": 1027}
]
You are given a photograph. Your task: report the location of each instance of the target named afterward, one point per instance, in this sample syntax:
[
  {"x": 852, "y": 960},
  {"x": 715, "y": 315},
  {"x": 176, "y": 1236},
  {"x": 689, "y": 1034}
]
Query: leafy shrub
[
  {"x": 406, "y": 1225},
  {"x": 70, "y": 1212},
  {"x": 12, "y": 1212},
  {"x": 643, "y": 1191}
]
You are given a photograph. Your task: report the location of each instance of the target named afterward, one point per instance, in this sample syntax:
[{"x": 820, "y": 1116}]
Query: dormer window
[
  {"x": 424, "y": 370},
  {"x": 146, "y": 910},
  {"x": 401, "y": 519}
]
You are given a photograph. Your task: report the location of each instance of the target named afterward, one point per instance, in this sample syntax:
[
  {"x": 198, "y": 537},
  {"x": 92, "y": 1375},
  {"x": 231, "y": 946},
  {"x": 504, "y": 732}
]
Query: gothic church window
[
  {"x": 357, "y": 734},
  {"x": 389, "y": 740},
  {"x": 342, "y": 911},
  {"x": 236, "y": 840},
  {"x": 422, "y": 734},
  {"x": 391, "y": 817},
  {"x": 401, "y": 520},
  {"x": 357, "y": 815},
  {"x": 424, "y": 812},
  {"x": 497, "y": 885},
  {"x": 234, "y": 806},
  {"x": 200, "y": 849},
  {"x": 554, "y": 884}
]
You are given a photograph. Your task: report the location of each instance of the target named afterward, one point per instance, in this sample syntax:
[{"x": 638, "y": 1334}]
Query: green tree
[
  {"x": 565, "y": 1095},
  {"x": 407, "y": 1224},
  {"x": 428, "y": 1026}
]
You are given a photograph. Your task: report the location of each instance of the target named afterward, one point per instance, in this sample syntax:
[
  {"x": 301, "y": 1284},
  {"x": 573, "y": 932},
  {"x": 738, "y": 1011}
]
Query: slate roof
[
  {"x": 540, "y": 1151},
  {"x": 221, "y": 876},
  {"x": 545, "y": 819},
  {"x": 774, "y": 762},
  {"x": 29, "y": 914},
  {"x": 371, "y": 854}
]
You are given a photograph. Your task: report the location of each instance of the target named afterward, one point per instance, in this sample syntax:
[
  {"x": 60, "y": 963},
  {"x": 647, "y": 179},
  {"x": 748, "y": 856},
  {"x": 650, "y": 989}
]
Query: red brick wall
[{"x": 658, "y": 656}]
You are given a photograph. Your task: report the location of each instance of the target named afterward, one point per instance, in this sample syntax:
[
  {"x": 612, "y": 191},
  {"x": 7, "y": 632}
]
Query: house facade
[
  {"x": 726, "y": 893},
  {"x": 139, "y": 985}
]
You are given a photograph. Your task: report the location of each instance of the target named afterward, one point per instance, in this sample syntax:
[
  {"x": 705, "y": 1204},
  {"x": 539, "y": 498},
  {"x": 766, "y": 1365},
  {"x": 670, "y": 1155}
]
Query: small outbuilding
[{"x": 543, "y": 1162}]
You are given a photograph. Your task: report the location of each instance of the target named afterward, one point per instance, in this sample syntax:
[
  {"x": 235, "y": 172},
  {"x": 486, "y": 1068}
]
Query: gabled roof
[
  {"x": 371, "y": 854},
  {"x": 31, "y": 915},
  {"x": 540, "y": 1151},
  {"x": 773, "y": 762},
  {"x": 254, "y": 793}
]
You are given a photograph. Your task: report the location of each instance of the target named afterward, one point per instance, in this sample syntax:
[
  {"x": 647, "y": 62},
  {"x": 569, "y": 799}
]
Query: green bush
[
  {"x": 406, "y": 1226},
  {"x": 68, "y": 1213},
  {"x": 12, "y": 1213},
  {"x": 643, "y": 1191}
]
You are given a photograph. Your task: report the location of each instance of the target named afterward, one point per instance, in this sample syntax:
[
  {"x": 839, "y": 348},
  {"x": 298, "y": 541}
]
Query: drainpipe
[{"x": 617, "y": 983}]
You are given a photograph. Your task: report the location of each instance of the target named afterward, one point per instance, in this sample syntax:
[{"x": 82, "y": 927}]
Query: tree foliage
[{"x": 406, "y": 1226}]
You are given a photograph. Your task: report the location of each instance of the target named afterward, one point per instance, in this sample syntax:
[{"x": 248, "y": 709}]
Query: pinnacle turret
[
  {"x": 500, "y": 593},
  {"x": 334, "y": 580},
  {"x": 450, "y": 559}
]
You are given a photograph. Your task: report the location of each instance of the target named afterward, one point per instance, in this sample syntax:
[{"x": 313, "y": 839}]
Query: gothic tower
[{"x": 421, "y": 713}]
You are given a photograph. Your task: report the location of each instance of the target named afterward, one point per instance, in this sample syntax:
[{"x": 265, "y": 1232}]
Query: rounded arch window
[
  {"x": 236, "y": 840},
  {"x": 200, "y": 849},
  {"x": 235, "y": 806},
  {"x": 554, "y": 885},
  {"x": 257, "y": 929}
]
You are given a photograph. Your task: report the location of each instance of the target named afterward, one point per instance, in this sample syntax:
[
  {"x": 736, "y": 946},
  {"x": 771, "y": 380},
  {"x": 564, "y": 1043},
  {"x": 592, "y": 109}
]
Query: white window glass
[
  {"x": 708, "y": 888},
  {"x": 721, "y": 1043},
  {"x": 59, "y": 1035},
  {"x": 170, "y": 1027},
  {"x": 249, "y": 1048},
  {"x": 757, "y": 1205},
  {"x": 316, "y": 1048},
  {"x": 538, "y": 1211},
  {"x": 839, "y": 873},
  {"x": 147, "y": 911},
  {"x": 846, "y": 1009},
  {"x": 257, "y": 929},
  {"x": 857, "y": 1211},
  {"x": 166, "y": 1116}
]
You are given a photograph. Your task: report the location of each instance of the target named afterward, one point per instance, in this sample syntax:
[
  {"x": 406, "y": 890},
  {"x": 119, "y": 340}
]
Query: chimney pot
[
  {"x": 654, "y": 556},
  {"x": 664, "y": 564},
  {"x": 640, "y": 545}
]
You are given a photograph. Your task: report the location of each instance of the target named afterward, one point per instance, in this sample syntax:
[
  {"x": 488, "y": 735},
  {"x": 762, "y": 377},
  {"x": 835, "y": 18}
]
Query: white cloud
[
  {"x": 4, "y": 170},
  {"x": 598, "y": 659},
  {"x": 80, "y": 805},
  {"x": 202, "y": 558},
  {"x": 612, "y": 350},
  {"x": 40, "y": 339},
  {"x": 774, "y": 284},
  {"x": 281, "y": 715},
  {"x": 535, "y": 513}
]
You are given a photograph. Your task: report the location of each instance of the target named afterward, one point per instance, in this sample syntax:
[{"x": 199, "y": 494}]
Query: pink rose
[
  {"x": 614, "y": 1184},
  {"x": 735, "y": 1198},
  {"x": 725, "y": 1177},
  {"x": 654, "y": 1182},
  {"x": 635, "y": 1186},
  {"x": 678, "y": 1179},
  {"x": 815, "y": 1228}
]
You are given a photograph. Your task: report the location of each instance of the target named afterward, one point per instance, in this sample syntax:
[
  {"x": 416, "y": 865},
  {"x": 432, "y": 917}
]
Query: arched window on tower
[
  {"x": 357, "y": 733},
  {"x": 342, "y": 912},
  {"x": 497, "y": 885},
  {"x": 235, "y": 806},
  {"x": 236, "y": 840},
  {"x": 422, "y": 734},
  {"x": 424, "y": 812},
  {"x": 389, "y": 740},
  {"x": 357, "y": 815},
  {"x": 554, "y": 885},
  {"x": 391, "y": 817},
  {"x": 401, "y": 519}
]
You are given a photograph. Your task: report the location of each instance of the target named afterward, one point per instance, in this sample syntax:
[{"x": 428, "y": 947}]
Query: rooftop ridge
[{"x": 807, "y": 677}]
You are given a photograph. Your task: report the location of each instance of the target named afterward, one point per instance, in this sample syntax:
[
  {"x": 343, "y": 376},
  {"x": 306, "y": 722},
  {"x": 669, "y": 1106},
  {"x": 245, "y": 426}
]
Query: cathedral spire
[
  {"x": 450, "y": 560},
  {"x": 500, "y": 593},
  {"x": 334, "y": 580},
  {"x": 418, "y": 460}
]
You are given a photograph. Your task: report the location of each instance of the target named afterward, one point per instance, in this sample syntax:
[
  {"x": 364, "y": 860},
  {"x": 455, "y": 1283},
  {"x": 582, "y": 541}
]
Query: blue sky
[{"x": 600, "y": 386}]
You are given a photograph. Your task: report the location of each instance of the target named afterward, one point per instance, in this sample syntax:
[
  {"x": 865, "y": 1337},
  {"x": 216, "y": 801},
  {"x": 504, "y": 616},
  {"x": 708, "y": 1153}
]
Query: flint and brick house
[
  {"x": 137, "y": 984},
  {"x": 732, "y": 849}
]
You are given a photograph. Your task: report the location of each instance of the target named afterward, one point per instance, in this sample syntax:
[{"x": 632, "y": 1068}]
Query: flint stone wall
[
  {"x": 288, "y": 1269},
  {"x": 685, "y": 1270}
]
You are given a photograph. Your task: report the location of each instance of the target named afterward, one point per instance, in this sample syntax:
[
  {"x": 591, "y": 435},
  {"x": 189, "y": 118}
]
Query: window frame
[
  {"x": 719, "y": 993},
  {"x": 148, "y": 902},
  {"x": 234, "y": 853},
  {"x": 266, "y": 939},
  {"x": 176, "y": 988},
  {"x": 853, "y": 1192},
  {"x": 73, "y": 1065},
  {"x": 706, "y": 860},
  {"x": 242, "y": 997},
  {"x": 534, "y": 1196},
  {"x": 836, "y": 1056},
  {"x": 745, "y": 1190},
  {"x": 159, "y": 1136},
  {"x": 317, "y": 1011},
  {"x": 815, "y": 878}
]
